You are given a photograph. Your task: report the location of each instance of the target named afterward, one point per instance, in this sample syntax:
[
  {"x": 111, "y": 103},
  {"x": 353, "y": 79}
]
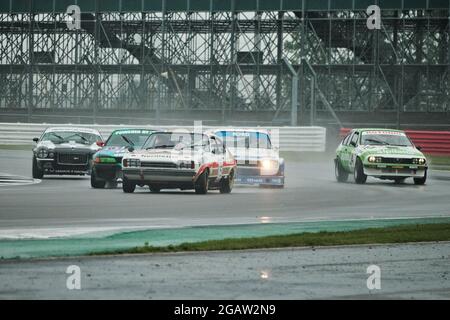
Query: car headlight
[
  {"x": 132, "y": 163},
  {"x": 42, "y": 153},
  {"x": 421, "y": 161},
  {"x": 374, "y": 159},
  {"x": 268, "y": 164}
]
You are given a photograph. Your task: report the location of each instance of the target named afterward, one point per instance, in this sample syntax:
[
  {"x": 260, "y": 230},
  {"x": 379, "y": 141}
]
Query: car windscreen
[
  {"x": 177, "y": 140},
  {"x": 126, "y": 138},
  {"x": 245, "y": 139},
  {"x": 58, "y": 137},
  {"x": 391, "y": 138}
]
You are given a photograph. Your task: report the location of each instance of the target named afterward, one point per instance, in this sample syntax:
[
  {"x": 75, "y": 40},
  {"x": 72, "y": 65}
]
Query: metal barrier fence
[
  {"x": 290, "y": 138},
  {"x": 431, "y": 142}
]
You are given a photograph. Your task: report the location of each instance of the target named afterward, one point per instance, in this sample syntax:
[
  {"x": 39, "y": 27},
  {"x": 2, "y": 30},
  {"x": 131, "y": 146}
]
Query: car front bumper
[
  {"x": 395, "y": 171},
  {"x": 260, "y": 180},
  {"x": 147, "y": 175},
  {"x": 107, "y": 171},
  {"x": 253, "y": 176},
  {"x": 51, "y": 166}
]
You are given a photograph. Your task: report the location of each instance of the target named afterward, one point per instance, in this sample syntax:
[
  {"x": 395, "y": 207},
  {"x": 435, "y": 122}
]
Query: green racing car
[
  {"x": 107, "y": 164},
  {"x": 381, "y": 153}
]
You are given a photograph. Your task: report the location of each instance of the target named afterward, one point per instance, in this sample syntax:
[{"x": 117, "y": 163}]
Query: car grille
[
  {"x": 72, "y": 158},
  {"x": 248, "y": 163},
  {"x": 169, "y": 173},
  {"x": 154, "y": 164},
  {"x": 248, "y": 171},
  {"x": 399, "y": 171},
  {"x": 397, "y": 160}
]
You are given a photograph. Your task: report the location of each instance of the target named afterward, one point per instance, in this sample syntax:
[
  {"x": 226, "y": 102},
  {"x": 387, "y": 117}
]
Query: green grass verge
[
  {"x": 398, "y": 234},
  {"x": 439, "y": 160}
]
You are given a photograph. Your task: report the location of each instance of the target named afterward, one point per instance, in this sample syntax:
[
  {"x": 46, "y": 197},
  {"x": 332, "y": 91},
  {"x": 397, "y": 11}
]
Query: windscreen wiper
[
  {"x": 127, "y": 140},
  {"x": 163, "y": 146},
  {"x": 377, "y": 141},
  {"x": 58, "y": 136},
  {"x": 78, "y": 135}
]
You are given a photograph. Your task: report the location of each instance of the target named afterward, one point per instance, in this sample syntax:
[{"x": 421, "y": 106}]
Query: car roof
[
  {"x": 74, "y": 129},
  {"x": 185, "y": 132},
  {"x": 146, "y": 129},
  {"x": 242, "y": 130},
  {"x": 376, "y": 129}
]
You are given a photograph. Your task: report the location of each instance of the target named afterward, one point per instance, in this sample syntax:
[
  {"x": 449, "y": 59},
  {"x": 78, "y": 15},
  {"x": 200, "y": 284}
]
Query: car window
[
  {"x": 346, "y": 139},
  {"x": 355, "y": 138},
  {"x": 245, "y": 139},
  {"x": 384, "y": 137},
  {"x": 216, "y": 145},
  {"x": 123, "y": 138},
  {"x": 178, "y": 140},
  {"x": 58, "y": 137}
]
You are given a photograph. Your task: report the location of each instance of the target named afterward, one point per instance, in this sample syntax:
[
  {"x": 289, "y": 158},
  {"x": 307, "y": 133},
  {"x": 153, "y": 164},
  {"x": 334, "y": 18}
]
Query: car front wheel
[
  {"x": 360, "y": 177},
  {"x": 421, "y": 181},
  {"x": 95, "y": 183},
  {"x": 202, "y": 183},
  {"x": 341, "y": 174},
  {"x": 38, "y": 173},
  {"x": 128, "y": 186},
  {"x": 227, "y": 183}
]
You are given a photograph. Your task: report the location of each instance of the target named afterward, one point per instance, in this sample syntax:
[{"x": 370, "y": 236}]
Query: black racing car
[{"x": 65, "y": 151}]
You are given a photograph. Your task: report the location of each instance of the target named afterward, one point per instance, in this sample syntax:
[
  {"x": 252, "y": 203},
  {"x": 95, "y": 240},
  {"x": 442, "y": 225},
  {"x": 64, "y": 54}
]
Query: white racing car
[
  {"x": 171, "y": 160},
  {"x": 258, "y": 161}
]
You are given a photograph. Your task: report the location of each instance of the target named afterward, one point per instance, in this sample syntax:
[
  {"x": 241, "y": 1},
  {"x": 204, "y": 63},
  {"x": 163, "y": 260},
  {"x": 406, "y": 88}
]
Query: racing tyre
[
  {"x": 37, "y": 172},
  {"x": 227, "y": 184},
  {"x": 421, "y": 181},
  {"x": 341, "y": 174},
  {"x": 96, "y": 184},
  {"x": 202, "y": 183},
  {"x": 128, "y": 186},
  {"x": 154, "y": 189},
  {"x": 360, "y": 177}
]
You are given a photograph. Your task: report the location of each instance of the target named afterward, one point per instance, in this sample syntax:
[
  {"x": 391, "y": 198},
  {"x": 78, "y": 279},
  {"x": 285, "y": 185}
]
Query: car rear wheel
[
  {"x": 95, "y": 183},
  {"x": 421, "y": 181},
  {"x": 341, "y": 174},
  {"x": 360, "y": 177},
  {"x": 227, "y": 183},
  {"x": 128, "y": 186},
  {"x": 37, "y": 172},
  {"x": 202, "y": 183}
]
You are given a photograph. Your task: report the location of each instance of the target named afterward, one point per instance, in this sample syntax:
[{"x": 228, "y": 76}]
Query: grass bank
[{"x": 388, "y": 235}]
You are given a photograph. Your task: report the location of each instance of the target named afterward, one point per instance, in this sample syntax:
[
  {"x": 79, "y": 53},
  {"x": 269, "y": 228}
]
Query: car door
[
  {"x": 351, "y": 150},
  {"x": 344, "y": 151},
  {"x": 218, "y": 156}
]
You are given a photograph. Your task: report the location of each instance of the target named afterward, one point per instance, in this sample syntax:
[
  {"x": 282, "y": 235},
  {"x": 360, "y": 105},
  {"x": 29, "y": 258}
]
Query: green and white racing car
[{"x": 381, "y": 153}]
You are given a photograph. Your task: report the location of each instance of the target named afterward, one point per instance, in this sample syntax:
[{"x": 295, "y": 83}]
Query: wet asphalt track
[{"x": 68, "y": 204}]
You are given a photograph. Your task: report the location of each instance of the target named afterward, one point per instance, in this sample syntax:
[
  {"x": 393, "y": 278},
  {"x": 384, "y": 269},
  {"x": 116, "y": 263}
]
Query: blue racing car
[
  {"x": 258, "y": 161},
  {"x": 107, "y": 164}
]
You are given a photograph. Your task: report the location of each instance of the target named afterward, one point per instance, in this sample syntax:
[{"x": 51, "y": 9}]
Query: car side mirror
[
  {"x": 36, "y": 139},
  {"x": 353, "y": 143},
  {"x": 419, "y": 148},
  {"x": 131, "y": 149},
  {"x": 100, "y": 144}
]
